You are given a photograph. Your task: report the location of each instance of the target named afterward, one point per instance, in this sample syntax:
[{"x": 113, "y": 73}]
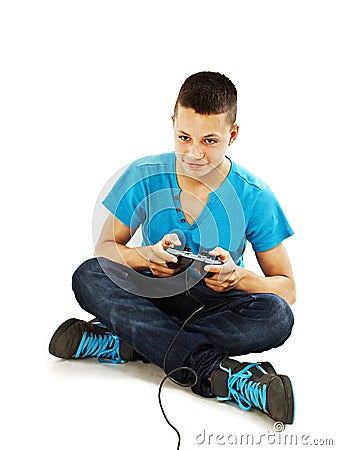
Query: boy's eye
[
  {"x": 184, "y": 138},
  {"x": 210, "y": 141}
]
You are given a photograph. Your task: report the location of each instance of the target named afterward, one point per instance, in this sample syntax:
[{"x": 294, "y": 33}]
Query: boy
[{"x": 147, "y": 308}]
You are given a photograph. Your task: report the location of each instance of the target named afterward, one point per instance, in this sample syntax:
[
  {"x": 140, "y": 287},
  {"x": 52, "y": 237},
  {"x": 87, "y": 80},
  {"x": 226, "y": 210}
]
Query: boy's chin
[{"x": 197, "y": 172}]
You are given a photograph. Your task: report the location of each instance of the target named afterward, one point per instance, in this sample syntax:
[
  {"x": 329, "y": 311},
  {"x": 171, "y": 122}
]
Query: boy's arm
[
  {"x": 112, "y": 242},
  {"x": 278, "y": 276},
  {"x": 275, "y": 264}
]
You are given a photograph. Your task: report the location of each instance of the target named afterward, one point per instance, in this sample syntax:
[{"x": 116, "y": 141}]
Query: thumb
[
  {"x": 221, "y": 253},
  {"x": 171, "y": 239}
]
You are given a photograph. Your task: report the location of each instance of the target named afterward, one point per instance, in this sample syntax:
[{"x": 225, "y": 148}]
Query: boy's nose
[{"x": 196, "y": 152}]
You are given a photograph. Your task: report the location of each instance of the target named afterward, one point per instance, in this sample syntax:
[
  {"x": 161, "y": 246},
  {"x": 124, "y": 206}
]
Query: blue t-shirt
[{"x": 147, "y": 195}]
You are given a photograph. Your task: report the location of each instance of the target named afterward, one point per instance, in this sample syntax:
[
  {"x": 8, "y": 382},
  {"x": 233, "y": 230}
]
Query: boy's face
[{"x": 201, "y": 141}]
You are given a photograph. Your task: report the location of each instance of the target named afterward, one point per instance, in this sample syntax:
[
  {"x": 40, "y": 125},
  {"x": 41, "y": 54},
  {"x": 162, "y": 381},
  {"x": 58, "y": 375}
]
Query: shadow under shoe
[
  {"x": 254, "y": 385},
  {"x": 77, "y": 338}
]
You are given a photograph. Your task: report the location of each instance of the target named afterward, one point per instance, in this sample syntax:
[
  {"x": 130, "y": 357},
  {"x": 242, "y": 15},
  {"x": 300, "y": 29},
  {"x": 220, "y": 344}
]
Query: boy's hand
[
  {"x": 225, "y": 276},
  {"x": 157, "y": 256}
]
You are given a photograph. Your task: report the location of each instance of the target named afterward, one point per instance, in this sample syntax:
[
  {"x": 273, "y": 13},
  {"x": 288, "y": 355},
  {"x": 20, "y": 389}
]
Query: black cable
[
  {"x": 160, "y": 402},
  {"x": 168, "y": 375}
]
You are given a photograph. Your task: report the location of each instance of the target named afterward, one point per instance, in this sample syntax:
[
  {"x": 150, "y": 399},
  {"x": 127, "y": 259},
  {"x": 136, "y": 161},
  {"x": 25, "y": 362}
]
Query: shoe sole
[
  {"x": 281, "y": 409},
  {"x": 53, "y": 345},
  {"x": 289, "y": 394}
]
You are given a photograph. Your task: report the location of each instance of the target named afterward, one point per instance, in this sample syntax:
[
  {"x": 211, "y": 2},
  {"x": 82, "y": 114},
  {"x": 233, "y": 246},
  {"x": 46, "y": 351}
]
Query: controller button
[{"x": 183, "y": 220}]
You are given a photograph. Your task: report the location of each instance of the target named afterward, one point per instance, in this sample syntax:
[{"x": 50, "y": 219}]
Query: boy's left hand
[{"x": 226, "y": 276}]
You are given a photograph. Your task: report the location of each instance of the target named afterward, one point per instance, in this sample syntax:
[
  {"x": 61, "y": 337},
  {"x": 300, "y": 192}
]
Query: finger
[
  {"x": 221, "y": 253},
  {"x": 169, "y": 240},
  {"x": 212, "y": 283},
  {"x": 213, "y": 268},
  {"x": 218, "y": 285},
  {"x": 226, "y": 277},
  {"x": 162, "y": 257},
  {"x": 161, "y": 270}
]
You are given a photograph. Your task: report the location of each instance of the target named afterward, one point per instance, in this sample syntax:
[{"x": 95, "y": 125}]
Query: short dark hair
[{"x": 208, "y": 93}]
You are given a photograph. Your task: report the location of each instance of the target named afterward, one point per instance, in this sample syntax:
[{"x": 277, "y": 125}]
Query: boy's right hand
[{"x": 157, "y": 256}]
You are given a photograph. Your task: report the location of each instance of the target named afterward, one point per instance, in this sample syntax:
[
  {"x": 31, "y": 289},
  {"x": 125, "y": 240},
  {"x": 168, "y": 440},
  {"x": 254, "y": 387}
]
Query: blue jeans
[{"x": 231, "y": 323}]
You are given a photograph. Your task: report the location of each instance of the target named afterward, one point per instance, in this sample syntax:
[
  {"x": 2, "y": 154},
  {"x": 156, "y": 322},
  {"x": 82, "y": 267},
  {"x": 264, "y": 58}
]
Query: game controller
[{"x": 186, "y": 258}]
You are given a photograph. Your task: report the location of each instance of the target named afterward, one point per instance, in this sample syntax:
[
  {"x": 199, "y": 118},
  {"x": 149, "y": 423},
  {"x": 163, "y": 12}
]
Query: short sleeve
[
  {"x": 268, "y": 225},
  {"x": 126, "y": 198}
]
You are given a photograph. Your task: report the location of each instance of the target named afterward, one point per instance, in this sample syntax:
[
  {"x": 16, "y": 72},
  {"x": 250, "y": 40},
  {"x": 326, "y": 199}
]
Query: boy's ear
[
  {"x": 173, "y": 119},
  {"x": 234, "y": 134}
]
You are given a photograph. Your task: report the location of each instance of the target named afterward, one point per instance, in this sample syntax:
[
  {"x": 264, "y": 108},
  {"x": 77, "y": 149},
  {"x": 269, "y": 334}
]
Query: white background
[{"x": 86, "y": 87}]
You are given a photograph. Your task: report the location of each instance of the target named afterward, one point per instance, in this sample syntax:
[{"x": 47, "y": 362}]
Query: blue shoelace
[
  {"x": 104, "y": 347},
  {"x": 243, "y": 391}
]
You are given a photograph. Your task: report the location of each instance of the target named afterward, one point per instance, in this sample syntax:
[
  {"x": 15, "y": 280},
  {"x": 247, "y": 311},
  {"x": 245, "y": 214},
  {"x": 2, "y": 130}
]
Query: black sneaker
[
  {"x": 255, "y": 385},
  {"x": 76, "y": 338}
]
